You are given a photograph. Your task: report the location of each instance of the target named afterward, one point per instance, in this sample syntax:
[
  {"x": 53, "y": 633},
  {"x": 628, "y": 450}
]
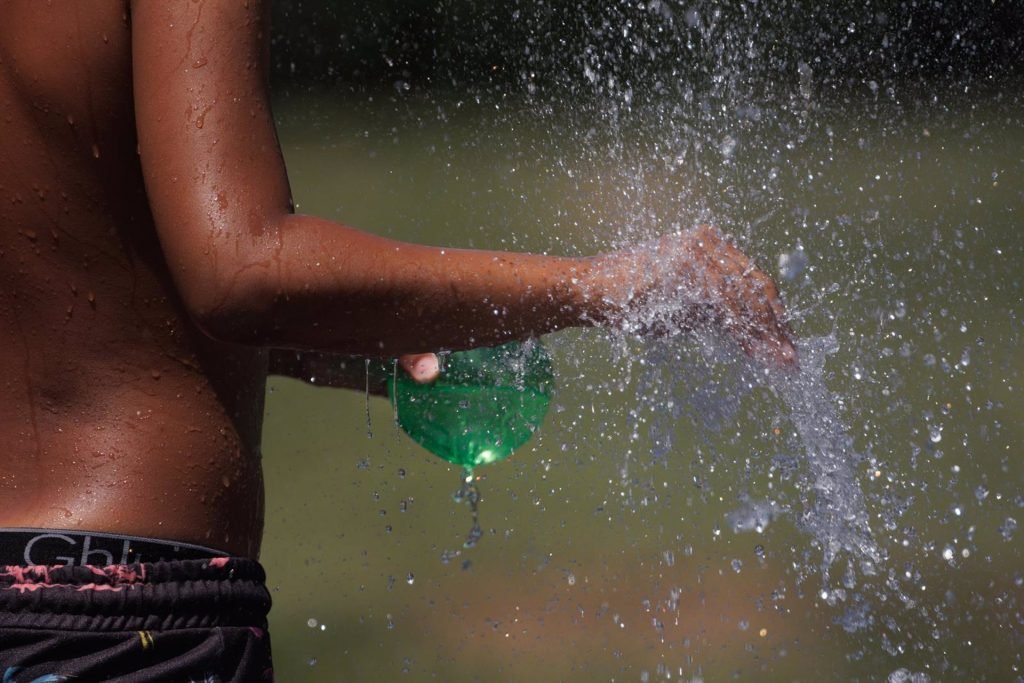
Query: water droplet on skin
[
  {"x": 410, "y": 578},
  {"x": 935, "y": 434},
  {"x": 95, "y": 151}
]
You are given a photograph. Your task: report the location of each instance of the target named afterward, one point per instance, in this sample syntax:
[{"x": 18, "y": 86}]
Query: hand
[{"x": 698, "y": 279}]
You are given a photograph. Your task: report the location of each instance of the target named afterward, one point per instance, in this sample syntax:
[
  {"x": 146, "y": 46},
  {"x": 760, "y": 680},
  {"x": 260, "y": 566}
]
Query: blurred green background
[{"x": 889, "y": 151}]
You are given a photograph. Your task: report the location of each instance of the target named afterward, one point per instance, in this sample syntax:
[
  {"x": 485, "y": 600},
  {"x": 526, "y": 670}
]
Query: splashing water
[
  {"x": 835, "y": 513},
  {"x": 830, "y": 506}
]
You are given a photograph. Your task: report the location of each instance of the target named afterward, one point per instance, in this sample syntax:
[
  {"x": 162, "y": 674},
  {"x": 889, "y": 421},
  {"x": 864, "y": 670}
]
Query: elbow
[
  {"x": 235, "y": 310},
  {"x": 228, "y": 324}
]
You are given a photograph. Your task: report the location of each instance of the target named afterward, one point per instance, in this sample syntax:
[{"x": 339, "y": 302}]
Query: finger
[
  {"x": 761, "y": 332},
  {"x": 774, "y": 343},
  {"x": 781, "y": 332},
  {"x": 422, "y": 367},
  {"x": 775, "y": 300}
]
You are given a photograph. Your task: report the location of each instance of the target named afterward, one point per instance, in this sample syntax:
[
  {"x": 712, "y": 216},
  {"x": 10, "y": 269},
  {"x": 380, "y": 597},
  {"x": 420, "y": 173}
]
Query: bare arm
[{"x": 251, "y": 271}]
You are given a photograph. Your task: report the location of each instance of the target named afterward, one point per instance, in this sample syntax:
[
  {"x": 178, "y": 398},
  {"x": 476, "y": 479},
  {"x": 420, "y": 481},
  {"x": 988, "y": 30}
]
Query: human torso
[{"x": 116, "y": 415}]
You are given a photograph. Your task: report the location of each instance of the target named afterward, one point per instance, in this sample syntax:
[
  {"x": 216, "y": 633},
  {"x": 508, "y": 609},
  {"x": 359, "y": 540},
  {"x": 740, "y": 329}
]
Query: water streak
[
  {"x": 713, "y": 390},
  {"x": 835, "y": 512},
  {"x": 469, "y": 492}
]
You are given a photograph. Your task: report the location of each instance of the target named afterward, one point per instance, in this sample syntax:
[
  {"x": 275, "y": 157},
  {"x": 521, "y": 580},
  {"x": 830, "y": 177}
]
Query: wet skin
[
  {"x": 117, "y": 415},
  {"x": 149, "y": 258}
]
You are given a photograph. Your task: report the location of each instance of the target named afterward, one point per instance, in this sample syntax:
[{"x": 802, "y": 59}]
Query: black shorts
[{"x": 159, "y": 611}]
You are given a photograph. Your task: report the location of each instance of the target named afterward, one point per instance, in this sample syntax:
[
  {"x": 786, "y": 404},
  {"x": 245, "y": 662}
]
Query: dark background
[{"x": 416, "y": 44}]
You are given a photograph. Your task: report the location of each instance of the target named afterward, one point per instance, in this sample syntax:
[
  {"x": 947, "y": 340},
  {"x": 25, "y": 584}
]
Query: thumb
[{"x": 422, "y": 367}]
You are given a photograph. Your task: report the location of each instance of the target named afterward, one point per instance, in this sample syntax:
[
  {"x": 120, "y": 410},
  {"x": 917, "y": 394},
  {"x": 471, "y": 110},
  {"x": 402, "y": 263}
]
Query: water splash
[
  {"x": 720, "y": 389},
  {"x": 834, "y": 513}
]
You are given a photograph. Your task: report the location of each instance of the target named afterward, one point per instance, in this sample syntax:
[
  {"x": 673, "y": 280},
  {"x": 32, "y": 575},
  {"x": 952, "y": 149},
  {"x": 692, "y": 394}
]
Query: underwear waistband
[
  {"x": 84, "y": 591},
  {"x": 52, "y": 547}
]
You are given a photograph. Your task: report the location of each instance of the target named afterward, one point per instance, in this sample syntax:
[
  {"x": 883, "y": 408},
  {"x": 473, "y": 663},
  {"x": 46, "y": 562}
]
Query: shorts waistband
[
  {"x": 52, "y": 547},
  {"x": 215, "y": 592}
]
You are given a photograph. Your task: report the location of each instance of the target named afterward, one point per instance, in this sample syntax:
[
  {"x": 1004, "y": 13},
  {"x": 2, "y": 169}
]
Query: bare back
[{"x": 117, "y": 415}]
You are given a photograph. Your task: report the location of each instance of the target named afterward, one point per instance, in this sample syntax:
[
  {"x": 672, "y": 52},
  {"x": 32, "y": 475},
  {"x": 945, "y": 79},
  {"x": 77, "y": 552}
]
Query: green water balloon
[{"x": 486, "y": 403}]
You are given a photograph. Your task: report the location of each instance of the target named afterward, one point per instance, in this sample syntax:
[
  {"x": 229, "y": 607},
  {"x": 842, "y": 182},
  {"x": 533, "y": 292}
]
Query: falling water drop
[{"x": 469, "y": 493}]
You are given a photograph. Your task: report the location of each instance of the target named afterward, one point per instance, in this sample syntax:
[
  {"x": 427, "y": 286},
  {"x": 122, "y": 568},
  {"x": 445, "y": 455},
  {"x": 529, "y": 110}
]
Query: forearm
[{"x": 310, "y": 283}]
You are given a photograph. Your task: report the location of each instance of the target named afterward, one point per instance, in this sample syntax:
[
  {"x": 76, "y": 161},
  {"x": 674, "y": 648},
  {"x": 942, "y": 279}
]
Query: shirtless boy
[{"x": 149, "y": 261}]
